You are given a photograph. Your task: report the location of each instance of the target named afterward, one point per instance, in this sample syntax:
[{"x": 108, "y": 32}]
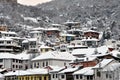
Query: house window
[
  {"x": 1, "y": 60},
  {"x": 37, "y": 64},
  {"x": 56, "y": 75},
  {"x": 46, "y": 50},
  {"x": 13, "y": 60},
  {"x": 81, "y": 77},
  {"x": 13, "y": 66},
  {"x": 62, "y": 76},
  {"x": 34, "y": 64},
  {"x": 53, "y": 75},
  {"x": 110, "y": 76},
  {"x": 46, "y": 63},
  {"x": 16, "y": 66},
  {"x": 1, "y": 66},
  {"x": 77, "y": 77},
  {"x": 106, "y": 75},
  {"x": 87, "y": 77},
  {"x": 64, "y": 64},
  {"x": 43, "y": 64},
  {"x": 8, "y": 42},
  {"x": 1, "y": 42},
  {"x": 98, "y": 73},
  {"x": 41, "y": 50},
  {"x": 91, "y": 77}
]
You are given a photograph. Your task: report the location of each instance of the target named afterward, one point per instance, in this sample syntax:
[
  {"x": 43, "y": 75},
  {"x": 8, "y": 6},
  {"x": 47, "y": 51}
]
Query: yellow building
[
  {"x": 33, "y": 77},
  {"x": 44, "y": 49},
  {"x": 30, "y": 74}
]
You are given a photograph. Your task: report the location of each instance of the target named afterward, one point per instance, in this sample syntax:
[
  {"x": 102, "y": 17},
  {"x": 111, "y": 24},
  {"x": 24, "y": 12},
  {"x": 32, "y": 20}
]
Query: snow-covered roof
[
  {"x": 35, "y": 32},
  {"x": 31, "y": 19},
  {"x": 55, "y": 55},
  {"x": 71, "y": 22},
  {"x": 56, "y": 68},
  {"x": 8, "y": 56},
  {"x": 85, "y": 51},
  {"x": 115, "y": 53},
  {"x": 24, "y": 55},
  {"x": 63, "y": 34},
  {"x": 52, "y": 29},
  {"x": 91, "y": 31},
  {"x": 32, "y": 39},
  {"x": 28, "y": 72},
  {"x": 82, "y": 71},
  {"x": 69, "y": 69},
  {"x": 112, "y": 67},
  {"x": 8, "y": 32},
  {"x": 17, "y": 72},
  {"x": 38, "y": 29},
  {"x": 73, "y": 46},
  {"x": 37, "y": 71},
  {"x": 25, "y": 41},
  {"x": 89, "y": 72},
  {"x": 89, "y": 58},
  {"x": 90, "y": 39},
  {"x": 59, "y": 25},
  {"x": 90, "y": 51},
  {"x": 103, "y": 63},
  {"x": 6, "y": 39}
]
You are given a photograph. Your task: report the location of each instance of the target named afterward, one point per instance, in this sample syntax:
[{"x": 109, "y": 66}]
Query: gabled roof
[
  {"x": 55, "y": 55},
  {"x": 112, "y": 67},
  {"x": 83, "y": 71},
  {"x": 56, "y": 69},
  {"x": 69, "y": 69},
  {"x": 86, "y": 51},
  {"x": 103, "y": 63},
  {"x": 90, "y": 51},
  {"x": 24, "y": 55},
  {"x": 8, "y": 56}
]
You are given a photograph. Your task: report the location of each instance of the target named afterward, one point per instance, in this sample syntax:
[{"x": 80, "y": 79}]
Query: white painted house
[
  {"x": 84, "y": 74},
  {"x": 14, "y": 61},
  {"x": 107, "y": 69},
  {"x": 37, "y": 33},
  {"x": 10, "y": 61},
  {"x": 53, "y": 58}
]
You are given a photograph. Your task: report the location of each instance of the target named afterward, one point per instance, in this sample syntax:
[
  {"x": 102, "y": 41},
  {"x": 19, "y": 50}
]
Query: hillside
[{"x": 103, "y": 14}]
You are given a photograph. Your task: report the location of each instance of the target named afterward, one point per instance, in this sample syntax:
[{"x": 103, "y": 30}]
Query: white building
[
  {"x": 107, "y": 69},
  {"x": 31, "y": 45},
  {"x": 14, "y": 62},
  {"x": 67, "y": 73},
  {"x": 9, "y": 42},
  {"x": 10, "y": 61},
  {"x": 37, "y": 33},
  {"x": 84, "y": 74},
  {"x": 53, "y": 58}
]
